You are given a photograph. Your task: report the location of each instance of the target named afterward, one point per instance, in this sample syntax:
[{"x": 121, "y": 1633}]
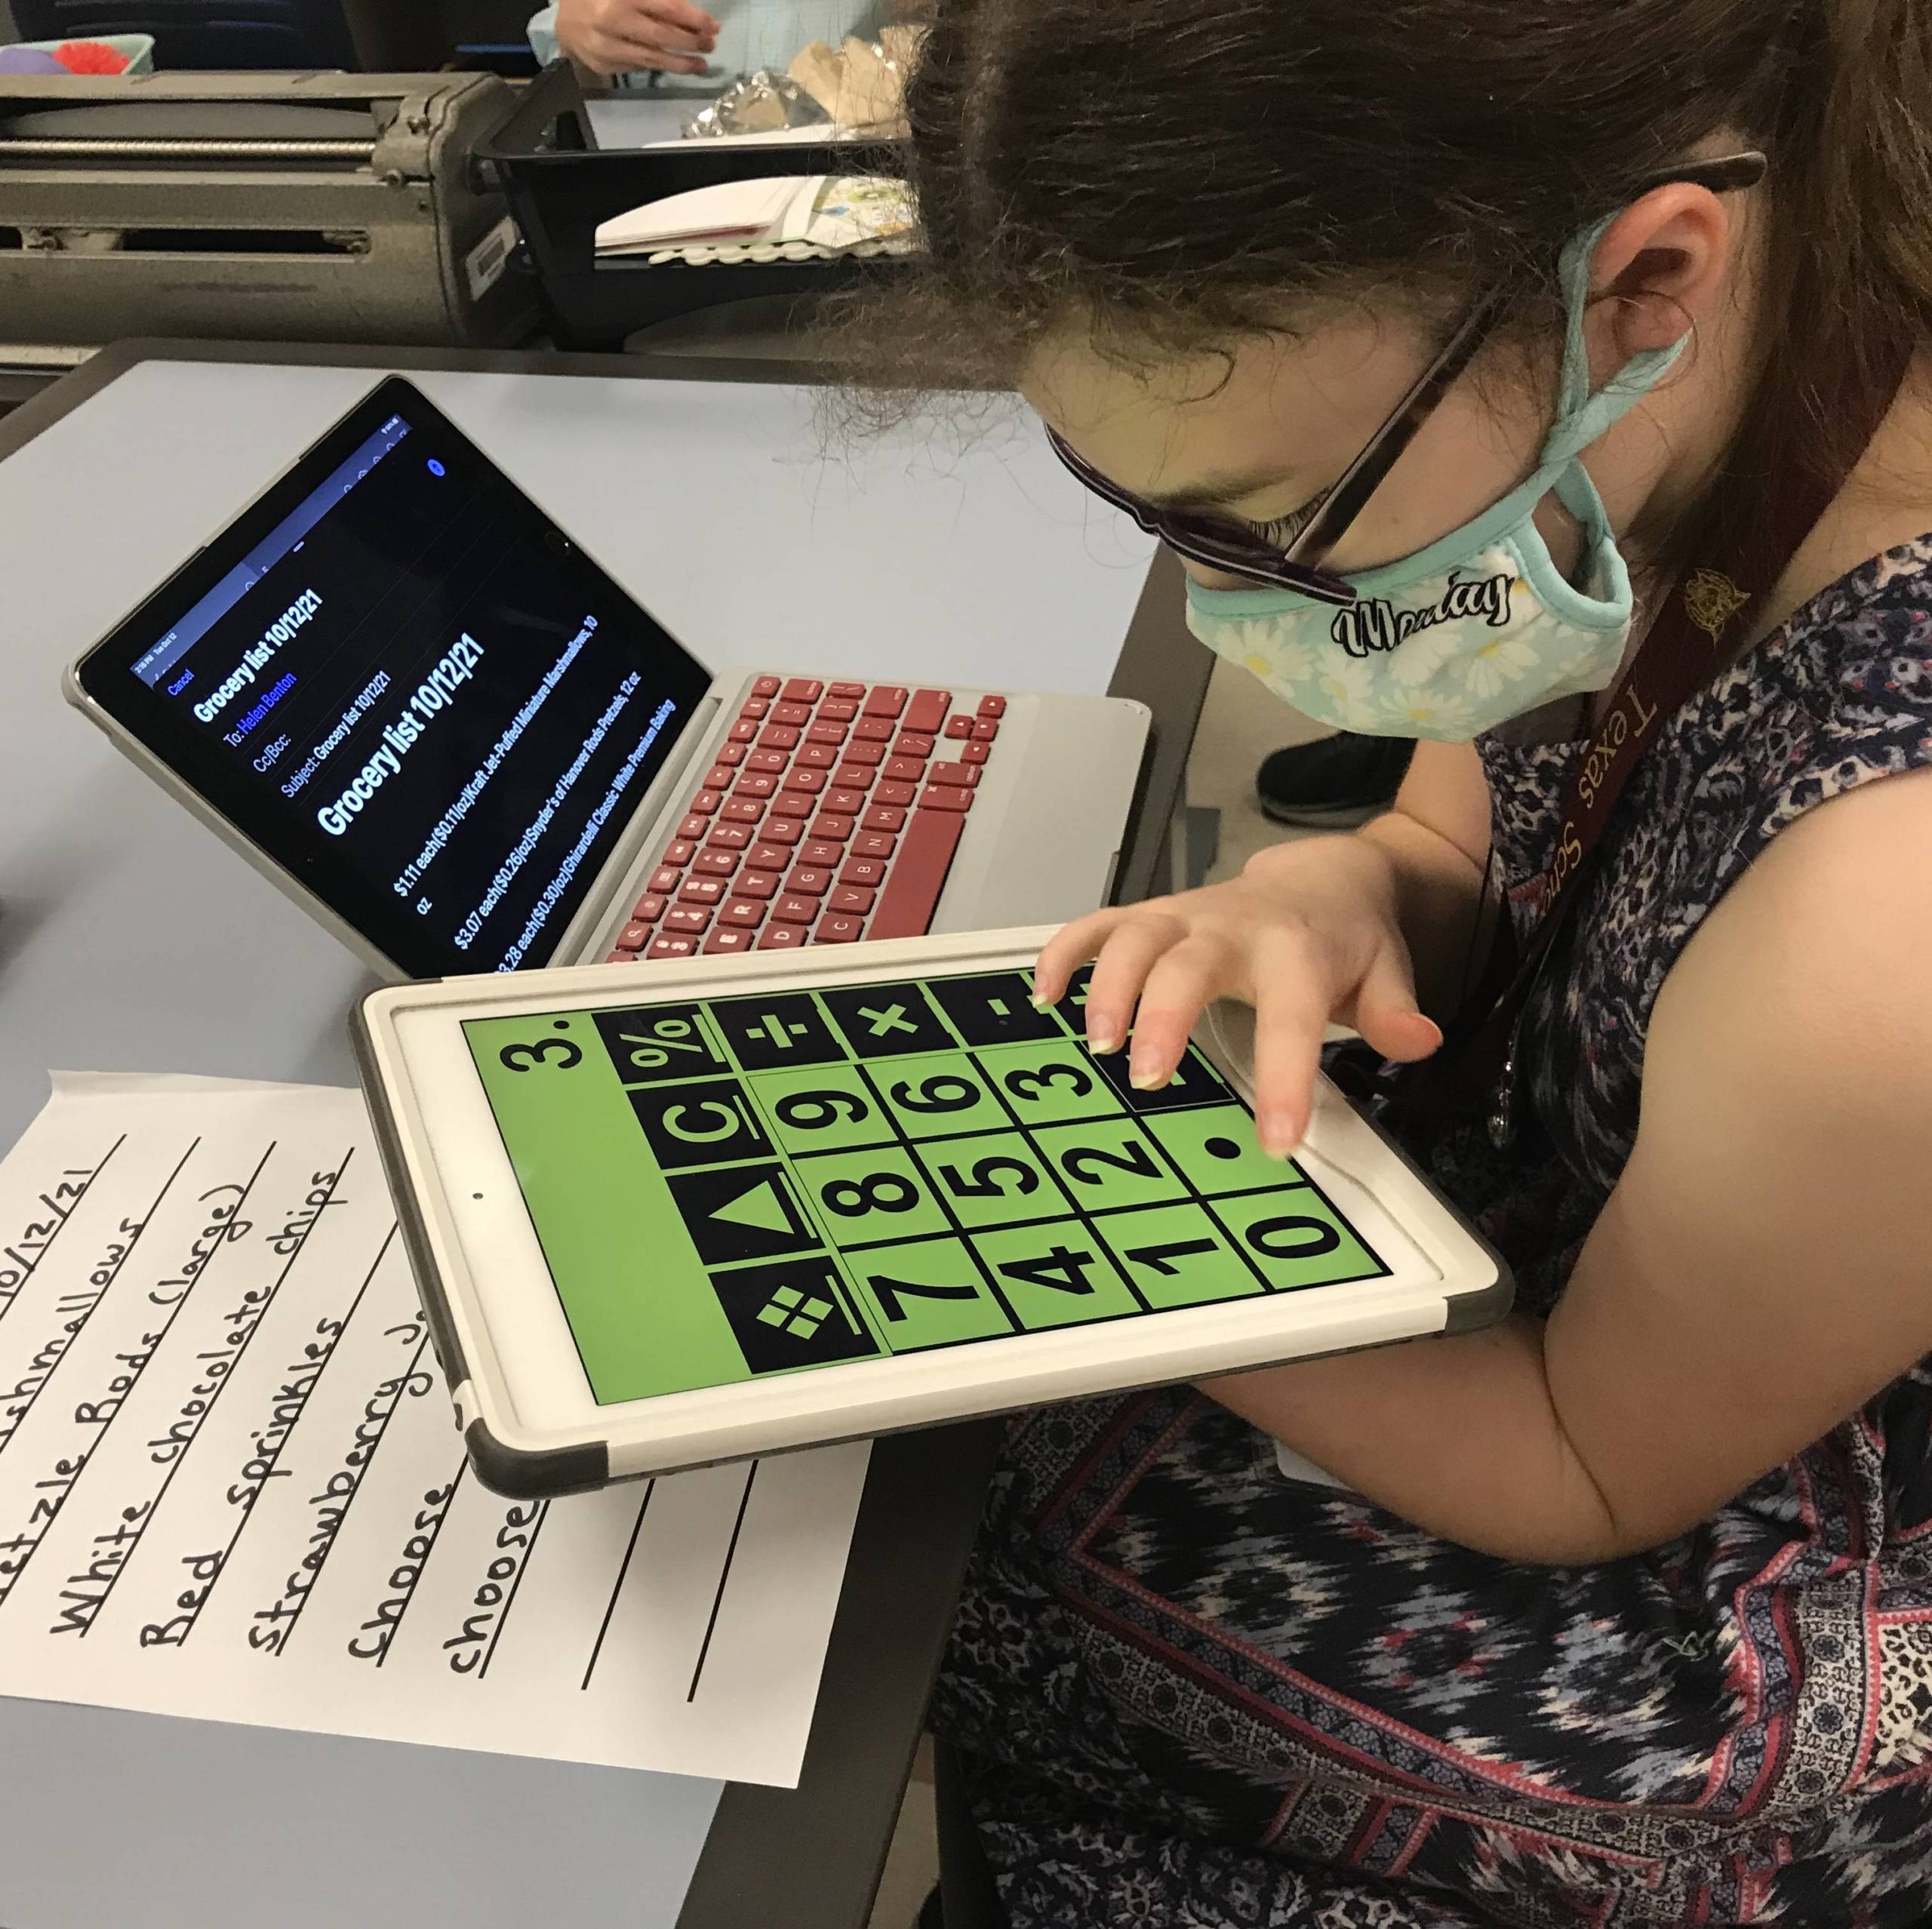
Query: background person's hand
[
  {"x": 1307, "y": 934},
  {"x": 633, "y": 36}
]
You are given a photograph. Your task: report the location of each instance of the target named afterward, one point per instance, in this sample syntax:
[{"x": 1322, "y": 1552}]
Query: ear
[{"x": 1660, "y": 269}]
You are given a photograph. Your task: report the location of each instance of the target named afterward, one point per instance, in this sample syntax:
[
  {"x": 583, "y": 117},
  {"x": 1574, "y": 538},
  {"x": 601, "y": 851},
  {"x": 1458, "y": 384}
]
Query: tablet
[{"x": 666, "y": 1215}]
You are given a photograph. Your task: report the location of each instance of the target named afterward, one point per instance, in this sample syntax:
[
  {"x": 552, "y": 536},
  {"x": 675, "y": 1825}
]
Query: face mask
[{"x": 1480, "y": 627}]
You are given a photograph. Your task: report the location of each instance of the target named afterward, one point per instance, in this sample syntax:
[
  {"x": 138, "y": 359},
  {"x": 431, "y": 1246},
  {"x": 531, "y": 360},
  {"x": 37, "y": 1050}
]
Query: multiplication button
[{"x": 886, "y": 1021}]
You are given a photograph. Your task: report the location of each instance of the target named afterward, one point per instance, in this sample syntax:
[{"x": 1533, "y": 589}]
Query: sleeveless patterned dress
[{"x": 1189, "y": 1692}]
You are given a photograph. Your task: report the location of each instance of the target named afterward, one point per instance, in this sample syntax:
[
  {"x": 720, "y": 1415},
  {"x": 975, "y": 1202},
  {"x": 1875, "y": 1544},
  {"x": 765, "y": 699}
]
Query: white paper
[
  {"x": 724, "y": 208},
  {"x": 231, "y": 1486}
]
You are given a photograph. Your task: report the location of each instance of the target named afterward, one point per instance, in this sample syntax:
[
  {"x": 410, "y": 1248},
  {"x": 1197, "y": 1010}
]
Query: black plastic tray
[{"x": 561, "y": 185}]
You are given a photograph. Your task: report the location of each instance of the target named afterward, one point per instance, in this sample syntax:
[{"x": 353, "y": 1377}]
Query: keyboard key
[
  {"x": 874, "y": 730},
  {"x": 944, "y": 796},
  {"x": 862, "y": 752},
  {"x": 820, "y": 854},
  {"x": 833, "y": 929},
  {"x": 887, "y": 700},
  {"x": 755, "y": 707},
  {"x": 845, "y": 801},
  {"x": 725, "y": 938},
  {"x": 781, "y": 830},
  {"x": 686, "y": 918},
  {"x": 773, "y": 763},
  {"x": 844, "y": 689},
  {"x": 986, "y": 730},
  {"x": 743, "y": 914},
  {"x": 825, "y": 733},
  {"x": 973, "y": 753},
  {"x": 794, "y": 803},
  {"x": 755, "y": 783},
  {"x": 815, "y": 757},
  {"x": 679, "y": 851},
  {"x": 853, "y": 776},
  {"x": 718, "y": 777},
  {"x": 648, "y": 908},
  {"x": 793, "y": 910},
  {"x": 905, "y": 769},
  {"x": 808, "y": 780},
  {"x": 803, "y": 690},
  {"x": 768, "y": 854},
  {"x": 910, "y": 744},
  {"x": 634, "y": 937},
  {"x": 693, "y": 827},
  {"x": 781, "y": 937},
  {"x": 796, "y": 714},
  {"x": 898, "y": 795},
  {"x": 882, "y": 816},
  {"x": 743, "y": 810},
  {"x": 837, "y": 710},
  {"x": 700, "y": 890},
  {"x": 927, "y": 709},
  {"x": 766, "y": 686},
  {"x": 705, "y": 804},
  {"x": 729, "y": 754},
  {"x": 741, "y": 732},
  {"x": 959, "y": 726},
  {"x": 874, "y": 843},
  {"x": 762, "y": 884},
  {"x": 912, "y": 892},
  {"x": 992, "y": 706},
  {"x": 961, "y": 776},
  {"x": 868, "y": 871},
  {"x": 808, "y": 882},
  {"x": 715, "y": 864},
  {"x": 831, "y": 828},
  {"x": 727, "y": 837},
  {"x": 622, "y": 958},
  {"x": 671, "y": 944},
  {"x": 778, "y": 736},
  {"x": 853, "y": 899},
  {"x": 665, "y": 880}
]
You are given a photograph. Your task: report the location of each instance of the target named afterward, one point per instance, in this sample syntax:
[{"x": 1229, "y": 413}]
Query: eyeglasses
[{"x": 1220, "y": 543}]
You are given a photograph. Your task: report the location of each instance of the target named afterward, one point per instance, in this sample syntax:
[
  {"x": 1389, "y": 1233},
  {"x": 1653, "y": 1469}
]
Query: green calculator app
[{"x": 734, "y": 1187}]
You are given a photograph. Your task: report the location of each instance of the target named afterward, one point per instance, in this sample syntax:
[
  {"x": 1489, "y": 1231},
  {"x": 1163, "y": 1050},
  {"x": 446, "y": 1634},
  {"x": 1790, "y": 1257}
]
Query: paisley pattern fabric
[{"x": 1190, "y": 1692}]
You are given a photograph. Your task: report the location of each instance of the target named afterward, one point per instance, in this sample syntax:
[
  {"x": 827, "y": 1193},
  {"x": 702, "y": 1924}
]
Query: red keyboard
[{"x": 830, "y": 813}]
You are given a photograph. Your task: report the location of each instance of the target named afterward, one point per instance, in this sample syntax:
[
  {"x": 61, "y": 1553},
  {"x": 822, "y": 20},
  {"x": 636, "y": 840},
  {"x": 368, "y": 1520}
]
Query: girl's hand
[
  {"x": 629, "y": 36},
  {"x": 1307, "y": 934}
]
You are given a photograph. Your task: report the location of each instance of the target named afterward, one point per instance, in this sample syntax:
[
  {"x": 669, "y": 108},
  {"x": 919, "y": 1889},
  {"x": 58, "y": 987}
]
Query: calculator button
[
  {"x": 715, "y": 864},
  {"x": 825, "y": 733},
  {"x": 961, "y": 776},
  {"x": 678, "y": 851},
  {"x": 986, "y": 730},
  {"x": 741, "y": 732},
  {"x": 845, "y": 689},
  {"x": 743, "y": 810},
  {"x": 781, "y": 937},
  {"x": 820, "y": 854},
  {"x": 765, "y": 686},
  {"x": 832, "y": 827},
  {"x": 874, "y": 843},
  {"x": 897, "y": 794},
  {"x": 927, "y": 709},
  {"x": 803, "y": 690},
  {"x": 725, "y": 938},
  {"x": 992, "y": 706},
  {"x": 874, "y": 730},
  {"x": 809, "y": 882},
  {"x": 774, "y": 763},
  {"x": 911, "y": 745},
  {"x": 744, "y": 913},
  {"x": 815, "y": 757},
  {"x": 728, "y": 837},
  {"x": 959, "y": 726},
  {"x": 692, "y": 827},
  {"x": 755, "y": 707},
  {"x": 868, "y": 871},
  {"x": 718, "y": 777},
  {"x": 834, "y": 929},
  {"x": 972, "y": 753},
  {"x": 648, "y": 908},
  {"x": 854, "y": 899},
  {"x": 686, "y": 918},
  {"x": 795, "y": 910},
  {"x": 665, "y": 880},
  {"x": 700, "y": 890},
  {"x": 781, "y": 830},
  {"x": 906, "y": 904},
  {"x": 755, "y": 783},
  {"x": 854, "y": 776},
  {"x": 778, "y": 736},
  {"x": 762, "y": 884},
  {"x": 838, "y": 710},
  {"x": 905, "y": 769},
  {"x": 883, "y": 817},
  {"x": 858, "y": 752},
  {"x": 671, "y": 946},
  {"x": 704, "y": 803},
  {"x": 887, "y": 700},
  {"x": 767, "y": 854},
  {"x": 729, "y": 753},
  {"x": 634, "y": 936},
  {"x": 794, "y": 803},
  {"x": 944, "y": 796}
]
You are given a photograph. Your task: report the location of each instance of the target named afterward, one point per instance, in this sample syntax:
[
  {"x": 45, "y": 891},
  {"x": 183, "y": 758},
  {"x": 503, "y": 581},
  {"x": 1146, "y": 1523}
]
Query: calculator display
[{"x": 725, "y": 1189}]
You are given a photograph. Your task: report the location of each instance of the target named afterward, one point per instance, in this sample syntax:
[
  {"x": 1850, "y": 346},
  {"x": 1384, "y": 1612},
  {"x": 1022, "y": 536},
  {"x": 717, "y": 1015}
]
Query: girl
[{"x": 1547, "y": 382}]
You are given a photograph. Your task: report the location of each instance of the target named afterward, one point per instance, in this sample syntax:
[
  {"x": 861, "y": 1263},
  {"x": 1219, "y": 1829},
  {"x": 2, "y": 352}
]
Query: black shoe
[{"x": 1334, "y": 782}]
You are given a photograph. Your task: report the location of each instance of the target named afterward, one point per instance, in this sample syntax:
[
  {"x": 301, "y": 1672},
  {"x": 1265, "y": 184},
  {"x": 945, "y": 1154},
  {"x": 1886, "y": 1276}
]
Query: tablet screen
[
  {"x": 727, "y": 1189},
  {"x": 401, "y": 681}
]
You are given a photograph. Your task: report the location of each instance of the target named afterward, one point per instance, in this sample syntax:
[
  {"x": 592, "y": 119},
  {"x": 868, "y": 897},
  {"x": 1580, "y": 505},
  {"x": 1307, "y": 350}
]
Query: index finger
[
  {"x": 1071, "y": 945},
  {"x": 679, "y": 13}
]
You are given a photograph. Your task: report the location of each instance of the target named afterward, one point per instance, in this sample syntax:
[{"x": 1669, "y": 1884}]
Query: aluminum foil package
[{"x": 762, "y": 102}]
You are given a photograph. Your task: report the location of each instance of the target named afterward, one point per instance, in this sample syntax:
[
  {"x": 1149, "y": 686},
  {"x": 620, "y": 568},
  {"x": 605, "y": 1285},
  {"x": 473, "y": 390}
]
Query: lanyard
[{"x": 1675, "y": 660}]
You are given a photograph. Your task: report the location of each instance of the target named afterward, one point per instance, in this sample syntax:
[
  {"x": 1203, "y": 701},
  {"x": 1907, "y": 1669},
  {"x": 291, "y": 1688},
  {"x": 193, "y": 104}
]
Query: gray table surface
[{"x": 132, "y": 939}]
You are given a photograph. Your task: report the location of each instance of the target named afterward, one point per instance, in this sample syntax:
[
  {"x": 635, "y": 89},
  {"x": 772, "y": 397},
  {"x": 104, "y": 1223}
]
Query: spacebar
[{"x": 918, "y": 875}]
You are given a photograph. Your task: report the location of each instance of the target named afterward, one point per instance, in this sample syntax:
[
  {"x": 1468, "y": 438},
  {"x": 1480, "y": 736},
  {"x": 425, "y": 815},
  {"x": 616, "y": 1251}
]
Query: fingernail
[
  {"x": 1102, "y": 1039},
  {"x": 1040, "y": 1002},
  {"x": 1278, "y": 1135},
  {"x": 1146, "y": 1078}
]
